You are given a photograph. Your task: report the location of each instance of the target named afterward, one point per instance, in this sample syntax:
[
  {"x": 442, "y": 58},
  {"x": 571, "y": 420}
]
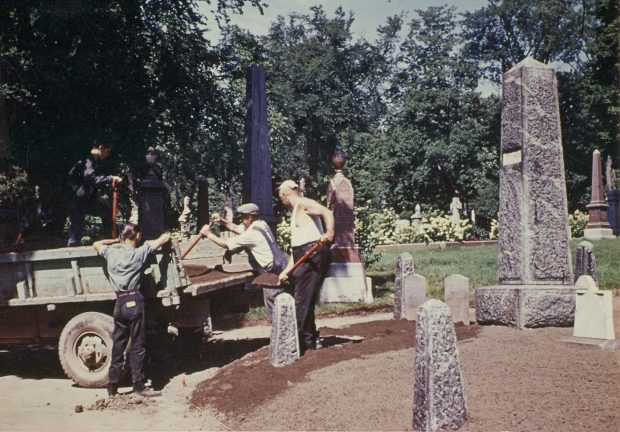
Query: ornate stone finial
[
  {"x": 151, "y": 158},
  {"x": 339, "y": 159}
]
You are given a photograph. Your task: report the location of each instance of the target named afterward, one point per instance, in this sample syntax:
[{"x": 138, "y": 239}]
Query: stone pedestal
[
  {"x": 345, "y": 280},
  {"x": 526, "y": 306},
  {"x": 151, "y": 195}
]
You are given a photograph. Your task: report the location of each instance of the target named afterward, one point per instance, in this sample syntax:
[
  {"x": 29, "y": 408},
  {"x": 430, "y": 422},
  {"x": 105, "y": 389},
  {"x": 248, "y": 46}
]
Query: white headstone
[
  {"x": 400, "y": 225},
  {"x": 456, "y": 295},
  {"x": 586, "y": 282},
  {"x": 417, "y": 216},
  {"x": 455, "y": 206},
  {"x": 594, "y": 315},
  {"x": 415, "y": 296}
]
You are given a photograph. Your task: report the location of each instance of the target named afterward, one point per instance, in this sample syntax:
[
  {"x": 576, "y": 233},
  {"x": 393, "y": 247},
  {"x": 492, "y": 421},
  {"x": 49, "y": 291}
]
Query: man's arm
[
  {"x": 283, "y": 274},
  {"x": 313, "y": 208},
  {"x": 98, "y": 245},
  {"x": 160, "y": 241},
  {"x": 206, "y": 231},
  {"x": 237, "y": 229}
]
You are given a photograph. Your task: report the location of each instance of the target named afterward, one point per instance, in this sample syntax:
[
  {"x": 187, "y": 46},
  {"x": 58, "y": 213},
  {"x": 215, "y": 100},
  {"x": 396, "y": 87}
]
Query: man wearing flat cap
[
  {"x": 311, "y": 222},
  {"x": 256, "y": 238}
]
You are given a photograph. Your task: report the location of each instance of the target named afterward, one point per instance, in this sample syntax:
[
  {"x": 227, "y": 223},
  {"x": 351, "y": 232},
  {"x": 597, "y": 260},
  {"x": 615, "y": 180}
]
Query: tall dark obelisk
[{"x": 257, "y": 185}]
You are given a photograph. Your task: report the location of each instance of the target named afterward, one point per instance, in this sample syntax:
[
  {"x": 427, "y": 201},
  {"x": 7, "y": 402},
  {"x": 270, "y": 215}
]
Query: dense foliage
[{"x": 406, "y": 106}]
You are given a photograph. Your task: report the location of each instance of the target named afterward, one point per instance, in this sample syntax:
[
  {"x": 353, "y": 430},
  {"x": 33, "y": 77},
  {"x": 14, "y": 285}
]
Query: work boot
[
  {"x": 313, "y": 344},
  {"x": 147, "y": 392},
  {"x": 112, "y": 392}
]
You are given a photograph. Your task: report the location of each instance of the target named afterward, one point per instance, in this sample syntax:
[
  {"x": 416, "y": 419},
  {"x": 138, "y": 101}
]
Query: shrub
[
  {"x": 15, "y": 187},
  {"x": 577, "y": 223},
  {"x": 283, "y": 233},
  {"x": 494, "y": 229},
  {"x": 364, "y": 238},
  {"x": 435, "y": 229}
]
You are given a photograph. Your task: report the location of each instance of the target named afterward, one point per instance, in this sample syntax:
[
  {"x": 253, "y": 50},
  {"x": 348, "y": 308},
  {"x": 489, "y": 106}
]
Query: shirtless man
[{"x": 310, "y": 222}]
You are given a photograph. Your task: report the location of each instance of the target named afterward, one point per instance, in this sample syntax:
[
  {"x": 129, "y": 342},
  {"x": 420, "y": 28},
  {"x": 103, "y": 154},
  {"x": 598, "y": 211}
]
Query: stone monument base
[
  {"x": 346, "y": 283},
  {"x": 598, "y": 233},
  {"x": 526, "y": 306}
]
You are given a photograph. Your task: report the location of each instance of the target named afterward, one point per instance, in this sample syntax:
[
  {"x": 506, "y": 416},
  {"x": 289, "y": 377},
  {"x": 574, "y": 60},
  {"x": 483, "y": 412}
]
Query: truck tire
[{"x": 85, "y": 348}]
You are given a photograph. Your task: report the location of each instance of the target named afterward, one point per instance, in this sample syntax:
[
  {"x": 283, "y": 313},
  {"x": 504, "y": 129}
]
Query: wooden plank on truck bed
[
  {"x": 215, "y": 280},
  {"x": 35, "y": 301},
  {"x": 207, "y": 271}
]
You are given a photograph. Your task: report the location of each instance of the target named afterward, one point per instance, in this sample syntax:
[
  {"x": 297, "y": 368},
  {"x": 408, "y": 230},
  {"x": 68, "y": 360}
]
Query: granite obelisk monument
[{"x": 534, "y": 264}]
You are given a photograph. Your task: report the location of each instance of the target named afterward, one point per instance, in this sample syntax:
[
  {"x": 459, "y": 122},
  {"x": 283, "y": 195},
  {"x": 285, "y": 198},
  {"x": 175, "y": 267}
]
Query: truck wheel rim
[{"x": 91, "y": 351}]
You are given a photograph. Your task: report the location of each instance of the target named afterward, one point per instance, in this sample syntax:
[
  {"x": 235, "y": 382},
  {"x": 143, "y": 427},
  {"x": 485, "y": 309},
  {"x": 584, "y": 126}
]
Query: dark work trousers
[
  {"x": 307, "y": 280},
  {"x": 78, "y": 209},
  {"x": 128, "y": 323}
]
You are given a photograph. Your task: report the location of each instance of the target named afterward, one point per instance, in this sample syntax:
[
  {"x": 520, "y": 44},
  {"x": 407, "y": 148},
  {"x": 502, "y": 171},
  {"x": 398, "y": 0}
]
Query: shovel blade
[{"x": 267, "y": 280}]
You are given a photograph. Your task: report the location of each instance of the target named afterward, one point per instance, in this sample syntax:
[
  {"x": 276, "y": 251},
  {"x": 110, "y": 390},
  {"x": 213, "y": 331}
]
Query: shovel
[
  {"x": 114, "y": 205},
  {"x": 273, "y": 280},
  {"x": 194, "y": 242}
]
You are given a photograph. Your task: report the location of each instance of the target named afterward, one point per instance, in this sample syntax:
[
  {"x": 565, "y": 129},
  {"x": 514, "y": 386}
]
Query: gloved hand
[{"x": 228, "y": 256}]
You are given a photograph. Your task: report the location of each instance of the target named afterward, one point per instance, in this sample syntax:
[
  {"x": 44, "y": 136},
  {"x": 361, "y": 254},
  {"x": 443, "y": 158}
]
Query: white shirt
[{"x": 256, "y": 242}]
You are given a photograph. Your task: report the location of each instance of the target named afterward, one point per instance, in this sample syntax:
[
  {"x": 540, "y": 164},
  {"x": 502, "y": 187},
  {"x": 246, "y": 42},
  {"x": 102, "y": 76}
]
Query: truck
[{"x": 63, "y": 297}]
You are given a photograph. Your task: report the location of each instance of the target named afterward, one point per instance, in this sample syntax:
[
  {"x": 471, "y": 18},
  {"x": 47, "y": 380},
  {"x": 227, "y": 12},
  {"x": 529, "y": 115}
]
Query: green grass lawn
[{"x": 479, "y": 264}]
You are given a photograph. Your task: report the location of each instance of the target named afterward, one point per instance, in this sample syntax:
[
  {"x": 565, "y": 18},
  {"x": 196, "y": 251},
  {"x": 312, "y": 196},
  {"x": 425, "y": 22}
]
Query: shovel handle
[
  {"x": 305, "y": 256},
  {"x": 114, "y": 205},
  {"x": 191, "y": 246}
]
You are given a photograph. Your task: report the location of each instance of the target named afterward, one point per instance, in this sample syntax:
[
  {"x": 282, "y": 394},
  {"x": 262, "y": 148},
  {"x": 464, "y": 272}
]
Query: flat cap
[{"x": 248, "y": 209}]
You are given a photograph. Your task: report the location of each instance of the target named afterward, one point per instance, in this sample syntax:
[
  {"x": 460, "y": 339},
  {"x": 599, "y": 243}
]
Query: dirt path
[{"x": 514, "y": 381}]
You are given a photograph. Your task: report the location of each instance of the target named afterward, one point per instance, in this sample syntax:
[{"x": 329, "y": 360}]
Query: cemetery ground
[{"x": 514, "y": 380}]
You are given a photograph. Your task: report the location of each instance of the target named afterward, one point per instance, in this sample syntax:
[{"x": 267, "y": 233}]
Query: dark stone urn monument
[
  {"x": 346, "y": 280},
  {"x": 151, "y": 194},
  {"x": 534, "y": 264}
]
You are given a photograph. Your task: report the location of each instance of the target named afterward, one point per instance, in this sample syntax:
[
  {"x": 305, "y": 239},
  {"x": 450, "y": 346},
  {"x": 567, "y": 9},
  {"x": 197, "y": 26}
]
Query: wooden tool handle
[
  {"x": 305, "y": 256},
  {"x": 191, "y": 246},
  {"x": 114, "y": 205}
]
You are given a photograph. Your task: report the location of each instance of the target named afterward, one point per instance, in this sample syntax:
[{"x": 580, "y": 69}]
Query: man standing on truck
[
  {"x": 256, "y": 238},
  {"x": 306, "y": 231},
  {"x": 125, "y": 264},
  {"x": 84, "y": 181}
]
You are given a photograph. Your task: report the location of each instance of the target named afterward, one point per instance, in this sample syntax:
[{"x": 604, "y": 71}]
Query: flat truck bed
[{"x": 64, "y": 295}]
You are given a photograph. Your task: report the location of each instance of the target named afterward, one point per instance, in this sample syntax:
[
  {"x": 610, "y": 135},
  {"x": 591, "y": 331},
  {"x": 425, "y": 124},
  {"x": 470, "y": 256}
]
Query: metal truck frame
[{"x": 63, "y": 296}]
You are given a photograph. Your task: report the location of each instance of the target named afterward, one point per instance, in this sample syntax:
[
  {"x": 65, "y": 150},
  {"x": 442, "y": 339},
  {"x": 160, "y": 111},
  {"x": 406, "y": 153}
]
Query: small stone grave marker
[{"x": 284, "y": 343}]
